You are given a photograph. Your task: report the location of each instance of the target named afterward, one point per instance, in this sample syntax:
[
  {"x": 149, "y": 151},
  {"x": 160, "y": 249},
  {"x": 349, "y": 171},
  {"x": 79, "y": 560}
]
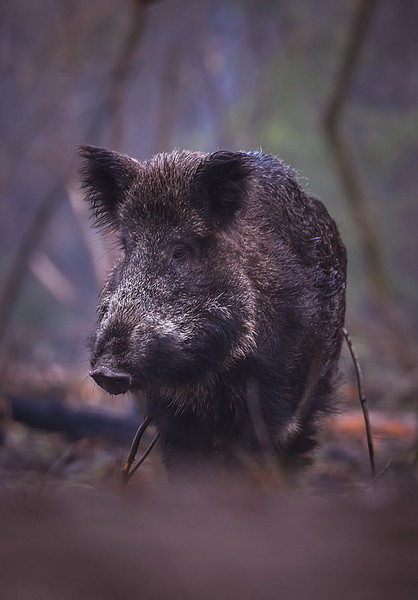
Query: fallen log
[{"x": 50, "y": 414}]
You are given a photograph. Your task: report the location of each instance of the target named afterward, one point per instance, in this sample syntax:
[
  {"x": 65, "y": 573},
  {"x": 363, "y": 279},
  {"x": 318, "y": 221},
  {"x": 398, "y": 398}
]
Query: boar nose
[{"x": 114, "y": 382}]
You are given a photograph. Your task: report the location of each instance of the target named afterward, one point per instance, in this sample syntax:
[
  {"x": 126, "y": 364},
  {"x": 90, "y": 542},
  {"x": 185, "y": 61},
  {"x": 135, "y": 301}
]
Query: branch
[
  {"x": 356, "y": 37},
  {"x": 363, "y": 402},
  {"x": 224, "y": 135},
  {"x": 134, "y": 449},
  {"x": 127, "y": 472},
  {"x": 143, "y": 457},
  {"x": 58, "y": 285},
  {"x": 381, "y": 472},
  {"x": 353, "y": 188},
  {"x": 121, "y": 68},
  {"x": 100, "y": 264},
  {"x": 167, "y": 98},
  {"x": 17, "y": 272}
]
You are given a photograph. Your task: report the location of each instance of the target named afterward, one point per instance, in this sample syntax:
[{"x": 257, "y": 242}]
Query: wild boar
[{"x": 226, "y": 305}]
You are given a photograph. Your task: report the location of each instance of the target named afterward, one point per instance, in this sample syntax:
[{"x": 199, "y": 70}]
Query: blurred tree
[{"x": 147, "y": 76}]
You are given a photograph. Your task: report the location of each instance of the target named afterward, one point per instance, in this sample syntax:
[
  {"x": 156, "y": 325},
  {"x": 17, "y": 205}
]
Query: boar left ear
[
  {"x": 225, "y": 177},
  {"x": 106, "y": 177}
]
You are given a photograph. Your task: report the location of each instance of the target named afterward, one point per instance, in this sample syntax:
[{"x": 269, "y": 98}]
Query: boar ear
[
  {"x": 225, "y": 176},
  {"x": 106, "y": 176}
]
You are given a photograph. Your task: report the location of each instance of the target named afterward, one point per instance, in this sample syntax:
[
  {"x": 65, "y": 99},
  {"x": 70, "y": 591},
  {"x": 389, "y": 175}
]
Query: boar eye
[{"x": 179, "y": 252}]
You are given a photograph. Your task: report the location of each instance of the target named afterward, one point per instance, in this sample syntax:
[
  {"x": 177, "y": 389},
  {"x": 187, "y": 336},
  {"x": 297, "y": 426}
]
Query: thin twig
[
  {"x": 134, "y": 449},
  {"x": 373, "y": 481},
  {"x": 363, "y": 402},
  {"x": 144, "y": 456}
]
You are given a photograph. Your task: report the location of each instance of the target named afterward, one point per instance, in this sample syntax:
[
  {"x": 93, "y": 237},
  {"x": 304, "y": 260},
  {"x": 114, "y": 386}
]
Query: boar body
[{"x": 226, "y": 307}]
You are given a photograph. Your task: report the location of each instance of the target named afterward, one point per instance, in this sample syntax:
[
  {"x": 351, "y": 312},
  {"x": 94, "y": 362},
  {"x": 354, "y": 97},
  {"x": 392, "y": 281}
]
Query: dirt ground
[{"x": 70, "y": 531}]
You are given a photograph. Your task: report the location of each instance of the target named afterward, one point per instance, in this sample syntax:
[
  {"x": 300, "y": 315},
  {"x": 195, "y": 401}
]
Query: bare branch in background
[
  {"x": 357, "y": 33},
  {"x": 209, "y": 70},
  {"x": 166, "y": 114},
  {"x": 79, "y": 208},
  {"x": 52, "y": 278},
  {"x": 121, "y": 69},
  {"x": 17, "y": 148},
  {"x": 17, "y": 272},
  {"x": 353, "y": 188},
  {"x": 30, "y": 242},
  {"x": 27, "y": 129}
]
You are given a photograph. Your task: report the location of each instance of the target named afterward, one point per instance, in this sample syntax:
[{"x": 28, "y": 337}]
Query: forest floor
[
  {"x": 69, "y": 530},
  {"x": 37, "y": 459}
]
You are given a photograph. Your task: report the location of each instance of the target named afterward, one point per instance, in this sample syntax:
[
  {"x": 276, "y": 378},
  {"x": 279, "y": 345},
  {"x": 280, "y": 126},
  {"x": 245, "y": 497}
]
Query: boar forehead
[{"x": 165, "y": 196}]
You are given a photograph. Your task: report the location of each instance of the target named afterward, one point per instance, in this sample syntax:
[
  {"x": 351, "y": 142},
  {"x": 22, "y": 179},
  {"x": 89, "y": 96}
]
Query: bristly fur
[{"x": 230, "y": 273}]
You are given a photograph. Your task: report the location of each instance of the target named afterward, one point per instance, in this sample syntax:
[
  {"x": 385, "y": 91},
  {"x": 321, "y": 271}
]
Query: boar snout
[{"x": 114, "y": 382}]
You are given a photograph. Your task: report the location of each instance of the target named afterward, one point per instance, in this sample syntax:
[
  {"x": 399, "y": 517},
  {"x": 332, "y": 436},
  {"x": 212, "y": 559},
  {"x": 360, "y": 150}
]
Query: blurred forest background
[{"x": 330, "y": 87}]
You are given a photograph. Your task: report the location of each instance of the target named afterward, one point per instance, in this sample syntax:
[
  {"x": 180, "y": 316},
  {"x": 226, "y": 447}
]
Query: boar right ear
[
  {"x": 226, "y": 177},
  {"x": 106, "y": 176}
]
